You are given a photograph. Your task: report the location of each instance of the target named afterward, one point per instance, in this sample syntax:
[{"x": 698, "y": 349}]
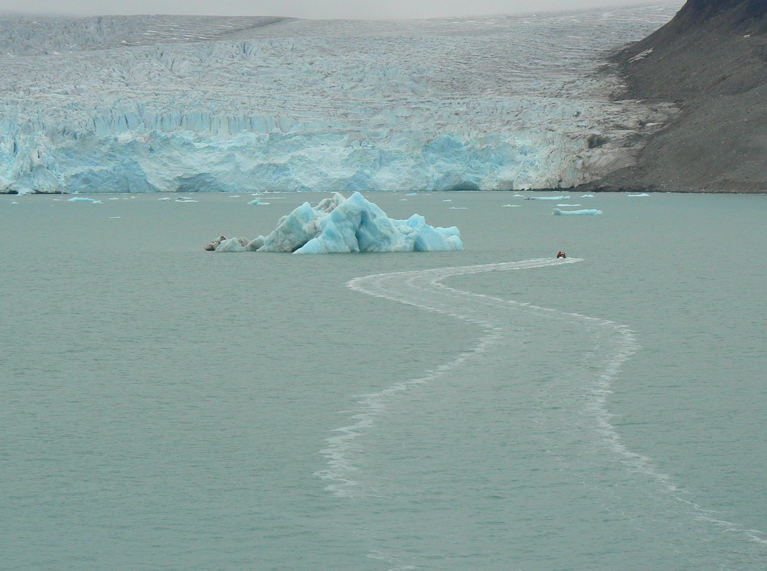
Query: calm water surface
[{"x": 165, "y": 407}]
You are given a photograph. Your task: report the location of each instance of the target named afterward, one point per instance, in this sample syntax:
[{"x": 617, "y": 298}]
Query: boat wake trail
[{"x": 530, "y": 428}]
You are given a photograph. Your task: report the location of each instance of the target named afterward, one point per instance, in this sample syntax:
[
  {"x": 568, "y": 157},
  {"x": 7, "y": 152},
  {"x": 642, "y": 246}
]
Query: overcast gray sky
[{"x": 305, "y": 8}]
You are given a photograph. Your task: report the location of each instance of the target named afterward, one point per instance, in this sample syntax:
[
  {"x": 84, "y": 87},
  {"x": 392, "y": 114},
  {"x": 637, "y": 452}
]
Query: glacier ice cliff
[
  {"x": 185, "y": 104},
  {"x": 342, "y": 225}
]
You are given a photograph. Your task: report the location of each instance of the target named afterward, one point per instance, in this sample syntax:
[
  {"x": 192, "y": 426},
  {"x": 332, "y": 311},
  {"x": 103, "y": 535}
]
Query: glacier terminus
[{"x": 185, "y": 104}]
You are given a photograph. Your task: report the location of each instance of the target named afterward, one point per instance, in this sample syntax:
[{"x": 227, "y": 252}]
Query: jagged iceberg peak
[
  {"x": 342, "y": 225},
  {"x": 183, "y": 104}
]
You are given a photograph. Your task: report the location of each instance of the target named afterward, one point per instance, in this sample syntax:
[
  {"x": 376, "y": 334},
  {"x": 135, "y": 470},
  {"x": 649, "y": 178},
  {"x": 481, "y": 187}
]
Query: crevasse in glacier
[
  {"x": 343, "y": 225},
  {"x": 135, "y": 104}
]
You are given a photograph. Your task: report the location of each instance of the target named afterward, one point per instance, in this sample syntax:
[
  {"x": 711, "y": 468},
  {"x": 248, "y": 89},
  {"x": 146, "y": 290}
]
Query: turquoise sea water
[{"x": 163, "y": 407}]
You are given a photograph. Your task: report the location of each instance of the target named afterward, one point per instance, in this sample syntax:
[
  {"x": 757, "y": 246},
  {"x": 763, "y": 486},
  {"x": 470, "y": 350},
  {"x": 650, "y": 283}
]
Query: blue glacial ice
[
  {"x": 185, "y": 104},
  {"x": 584, "y": 212},
  {"x": 338, "y": 225}
]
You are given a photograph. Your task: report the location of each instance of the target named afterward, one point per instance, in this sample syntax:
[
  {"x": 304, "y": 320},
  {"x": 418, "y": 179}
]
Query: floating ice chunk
[
  {"x": 585, "y": 212},
  {"x": 458, "y": 208},
  {"x": 97, "y": 202},
  {"x": 638, "y": 195},
  {"x": 114, "y": 198},
  {"x": 254, "y": 245},
  {"x": 587, "y": 196},
  {"x": 519, "y": 196},
  {"x": 80, "y": 199},
  {"x": 114, "y": 217},
  {"x": 510, "y": 206},
  {"x": 182, "y": 200},
  {"x": 164, "y": 198},
  {"x": 353, "y": 224},
  {"x": 231, "y": 245},
  {"x": 257, "y": 202},
  {"x": 564, "y": 204},
  {"x": 549, "y": 198},
  {"x": 447, "y": 200},
  {"x": 412, "y": 194}
]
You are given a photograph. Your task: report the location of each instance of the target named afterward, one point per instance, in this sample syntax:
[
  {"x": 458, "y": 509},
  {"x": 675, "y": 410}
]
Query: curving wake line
[{"x": 573, "y": 417}]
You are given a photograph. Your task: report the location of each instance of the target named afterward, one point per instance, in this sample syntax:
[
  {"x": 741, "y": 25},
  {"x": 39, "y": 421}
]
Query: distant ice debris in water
[
  {"x": 638, "y": 195},
  {"x": 510, "y": 206},
  {"x": 519, "y": 196},
  {"x": 257, "y": 202},
  {"x": 412, "y": 194},
  {"x": 339, "y": 224},
  {"x": 184, "y": 199},
  {"x": 84, "y": 199},
  {"x": 585, "y": 212},
  {"x": 564, "y": 204},
  {"x": 458, "y": 208},
  {"x": 587, "y": 196},
  {"x": 549, "y": 198}
]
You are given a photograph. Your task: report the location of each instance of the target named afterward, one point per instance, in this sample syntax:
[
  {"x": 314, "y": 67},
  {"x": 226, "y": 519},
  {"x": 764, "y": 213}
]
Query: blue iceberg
[{"x": 340, "y": 224}]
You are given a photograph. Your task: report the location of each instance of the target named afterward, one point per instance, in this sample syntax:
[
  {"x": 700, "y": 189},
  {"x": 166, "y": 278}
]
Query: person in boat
[{"x": 561, "y": 255}]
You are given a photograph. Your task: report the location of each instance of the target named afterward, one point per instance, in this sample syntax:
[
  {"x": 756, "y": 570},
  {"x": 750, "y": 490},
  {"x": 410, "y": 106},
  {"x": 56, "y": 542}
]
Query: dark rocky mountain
[{"x": 711, "y": 61}]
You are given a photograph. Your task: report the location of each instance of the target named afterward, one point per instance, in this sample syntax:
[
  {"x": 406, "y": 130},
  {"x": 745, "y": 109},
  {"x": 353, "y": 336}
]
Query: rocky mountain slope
[{"x": 711, "y": 61}]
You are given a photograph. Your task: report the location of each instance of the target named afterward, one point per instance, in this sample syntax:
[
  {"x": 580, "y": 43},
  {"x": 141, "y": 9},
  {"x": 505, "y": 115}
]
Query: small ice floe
[
  {"x": 549, "y": 198},
  {"x": 519, "y": 196},
  {"x": 97, "y": 202},
  {"x": 257, "y": 202},
  {"x": 14, "y": 202},
  {"x": 564, "y": 204},
  {"x": 114, "y": 217},
  {"x": 587, "y": 196},
  {"x": 403, "y": 199},
  {"x": 277, "y": 198},
  {"x": 510, "y": 206},
  {"x": 412, "y": 194},
  {"x": 114, "y": 198},
  {"x": 584, "y": 212},
  {"x": 184, "y": 199},
  {"x": 164, "y": 198},
  {"x": 80, "y": 199},
  {"x": 447, "y": 200},
  {"x": 458, "y": 208},
  {"x": 638, "y": 195},
  {"x": 234, "y": 196}
]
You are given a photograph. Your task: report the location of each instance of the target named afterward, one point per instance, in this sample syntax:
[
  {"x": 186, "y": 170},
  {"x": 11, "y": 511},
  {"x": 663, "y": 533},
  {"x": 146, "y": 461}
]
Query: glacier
[
  {"x": 342, "y": 225},
  {"x": 187, "y": 104}
]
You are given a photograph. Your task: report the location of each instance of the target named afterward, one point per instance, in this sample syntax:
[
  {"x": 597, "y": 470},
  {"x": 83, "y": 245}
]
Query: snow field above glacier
[{"x": 184, "y": 104}]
